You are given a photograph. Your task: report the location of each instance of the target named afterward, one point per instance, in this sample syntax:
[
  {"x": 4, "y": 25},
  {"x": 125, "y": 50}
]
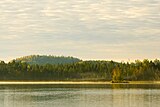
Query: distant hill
[{"x": 43, "y": 59}]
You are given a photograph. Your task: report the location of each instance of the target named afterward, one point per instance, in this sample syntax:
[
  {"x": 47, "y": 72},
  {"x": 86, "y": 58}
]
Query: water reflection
[{"x": 116, "y": 95}]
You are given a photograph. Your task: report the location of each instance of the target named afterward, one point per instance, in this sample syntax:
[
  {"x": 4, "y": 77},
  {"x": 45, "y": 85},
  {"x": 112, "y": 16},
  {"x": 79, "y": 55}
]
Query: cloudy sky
[{"x": 88, "y": 29}]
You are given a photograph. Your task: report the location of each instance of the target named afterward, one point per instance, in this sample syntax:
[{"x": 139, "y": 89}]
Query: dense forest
[{"x": 80, "y": 70}]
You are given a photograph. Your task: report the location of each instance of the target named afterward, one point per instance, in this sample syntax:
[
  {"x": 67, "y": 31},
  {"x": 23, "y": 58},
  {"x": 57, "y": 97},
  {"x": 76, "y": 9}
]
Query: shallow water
[{"x": 115, "y": 95}]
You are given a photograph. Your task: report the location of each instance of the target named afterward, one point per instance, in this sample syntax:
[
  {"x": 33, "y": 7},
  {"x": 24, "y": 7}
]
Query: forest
[{"x": 19, "y": 70}]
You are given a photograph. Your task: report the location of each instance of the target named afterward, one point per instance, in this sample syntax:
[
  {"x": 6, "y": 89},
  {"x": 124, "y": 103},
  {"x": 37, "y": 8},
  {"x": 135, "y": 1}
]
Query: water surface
[{"x": 113, "y": 95}]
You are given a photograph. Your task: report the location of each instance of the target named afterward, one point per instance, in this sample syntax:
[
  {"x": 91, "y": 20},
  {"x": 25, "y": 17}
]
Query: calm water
[{"x": 79, "y": 95}]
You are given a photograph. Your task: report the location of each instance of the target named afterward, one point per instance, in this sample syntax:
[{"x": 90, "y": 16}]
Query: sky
[{"x": 120, "y": 30}]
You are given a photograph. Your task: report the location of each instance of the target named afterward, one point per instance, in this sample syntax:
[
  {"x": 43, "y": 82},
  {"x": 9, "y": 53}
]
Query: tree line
[{"x": 83, "y": 70}]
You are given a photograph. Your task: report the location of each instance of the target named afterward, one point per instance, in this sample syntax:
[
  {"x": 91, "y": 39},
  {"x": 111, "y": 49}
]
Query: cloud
[
  {"x": 86, "y": 28},
  {"x": 9, "y": 37},
  {"x": 136, "y": 12}
]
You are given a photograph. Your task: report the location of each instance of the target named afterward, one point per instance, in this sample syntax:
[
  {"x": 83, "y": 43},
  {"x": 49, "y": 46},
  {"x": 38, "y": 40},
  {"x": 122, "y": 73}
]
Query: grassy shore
[{"x": 75, "y": 82}]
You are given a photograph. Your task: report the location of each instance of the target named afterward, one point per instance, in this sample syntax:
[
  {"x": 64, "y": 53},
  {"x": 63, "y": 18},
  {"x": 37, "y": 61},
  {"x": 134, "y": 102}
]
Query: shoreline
[{"x": 73, "y": 82}]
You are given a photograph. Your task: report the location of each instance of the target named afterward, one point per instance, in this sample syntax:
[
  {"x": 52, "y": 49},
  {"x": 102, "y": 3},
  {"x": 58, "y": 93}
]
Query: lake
[{"x": 100, "y": 95}]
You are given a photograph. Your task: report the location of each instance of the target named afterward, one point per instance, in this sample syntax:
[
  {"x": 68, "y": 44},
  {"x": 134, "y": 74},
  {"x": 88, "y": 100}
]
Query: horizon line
[{"x": 130, "y": 60}]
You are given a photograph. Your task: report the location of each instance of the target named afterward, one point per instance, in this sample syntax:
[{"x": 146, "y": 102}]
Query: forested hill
[
  {"x": 84, "y": 70},
  {"x": 43, "y": 59}
]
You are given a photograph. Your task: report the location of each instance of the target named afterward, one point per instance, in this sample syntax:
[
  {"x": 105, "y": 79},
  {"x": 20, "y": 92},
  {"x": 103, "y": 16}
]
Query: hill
[{"x": 43, "y": 59}]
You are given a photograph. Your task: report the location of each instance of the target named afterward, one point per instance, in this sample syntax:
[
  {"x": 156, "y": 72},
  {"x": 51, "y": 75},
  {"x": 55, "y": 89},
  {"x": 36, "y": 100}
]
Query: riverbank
[{"x": 73, "y": 82}]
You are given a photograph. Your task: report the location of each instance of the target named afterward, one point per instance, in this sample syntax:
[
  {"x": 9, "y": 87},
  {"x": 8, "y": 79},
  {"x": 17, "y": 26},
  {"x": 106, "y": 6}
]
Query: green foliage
[
  {"x": 117, "y": 75},
  {"x": 80, "y": 70}
]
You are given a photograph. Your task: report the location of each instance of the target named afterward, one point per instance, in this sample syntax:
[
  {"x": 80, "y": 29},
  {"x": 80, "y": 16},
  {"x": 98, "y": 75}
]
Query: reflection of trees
[
  {"x": 117, "y": 86},
  {"x": 13, "y": 97},
  {"x": 135, "y": 98},
  {"x": 135, "y": 86},
  {"x": 115, "y": 96}
]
